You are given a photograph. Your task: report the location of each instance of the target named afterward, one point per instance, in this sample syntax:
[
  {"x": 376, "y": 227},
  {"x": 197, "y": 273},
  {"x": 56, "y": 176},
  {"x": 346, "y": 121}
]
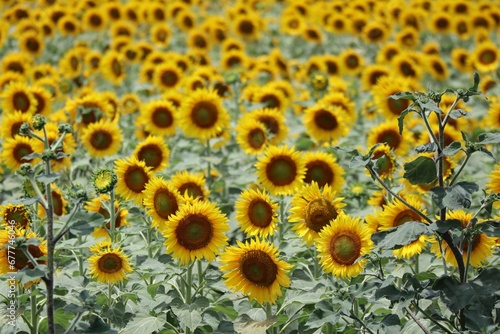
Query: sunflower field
[{"x": 249, "y": 166}]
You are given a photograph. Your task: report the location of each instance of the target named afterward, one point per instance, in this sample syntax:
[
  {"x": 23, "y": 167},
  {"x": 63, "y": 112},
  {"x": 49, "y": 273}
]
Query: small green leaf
[
  {"x": 422, "y": 170},
  {"x": 401, "y": 235},
  {"x": 429, "y": 147},
  {"x": 401, "y": 119},
  {"x": 490, "y": 228},
  {"x": 452, "y": 149},
  {"x": 46, "y": 179},
  {"x": 31, "y": 156},
  {"x": 477, "y": 79},
  {"x": 444, "y": 226},
  {"x": 429, "y": 105},
  {"x": 458, "y": 113},
  {"x": 402, "y": 95},
  {"x": 488, "y": 138}
]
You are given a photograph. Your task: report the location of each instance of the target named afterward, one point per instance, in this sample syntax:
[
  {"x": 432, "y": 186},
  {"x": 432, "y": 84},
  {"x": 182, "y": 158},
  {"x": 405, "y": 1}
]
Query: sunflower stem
[
  {"x": 110, "y": 300},
  {"x": 459, "y": 170},
  {"x": 269, "y": 314},
  {"x": 34, "y": 313},
  {"x": 149, "y": 237},
  {"x": 469, "y": 249},
  {"x": 189, "y": 283},
  {"x": 443, "y": 256},
  {"x": 112, "y": 218},
  {"x": 417, "y": 321},
  {"x": 209, "y": 165},
  {"x": 39, "y": 194},
  {"x": 316, "y": 264},
  {"x": 200, "y": 276},
  {"x": 63, "y": 229}
]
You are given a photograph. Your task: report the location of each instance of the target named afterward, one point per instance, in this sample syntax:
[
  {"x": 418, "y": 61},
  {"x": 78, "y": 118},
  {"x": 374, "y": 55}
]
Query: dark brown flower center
[
  {"x": 101, "y": 140},
  {"x": 325, "y": 120},
  {"x": 281, "y": 170},
  {"x": 320, "y": 172},
  {"x": 136, "y": 179},
  {"x": 165, "y": 203},
  {"x": 260, "y": 213},
  {"x": 20, "y": 151},
  {"x": 319, "y": 213},
  {"x": 345, "y": 248},
  {"x": 192, "y": 188},
  {"x": 162, "y": 117},
  {"x": 151, "y": 154},
  {"x": 256, "y": 138},
  {"x": 204, "y": 114},
  {"x": 259, "y": 268},
  {"x": 110, "y": 263},
  {"x": 194, "y": 231}
]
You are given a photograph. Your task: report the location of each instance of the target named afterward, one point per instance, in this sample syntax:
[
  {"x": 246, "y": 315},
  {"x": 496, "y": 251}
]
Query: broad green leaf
[
  {"x": 428, "y": 105},
  {"x": 484, "y": 150},
  {"x": 488, "y": 138},
  {"x": 27, "y": 275},
  {"x": 452, "y": 149},
  {"x": 422, "y": 170},
  {"x": 402, "y": 95},
  {"x": 84, "y": 222},
  {"x": 142, "y": 324},
  {"x": 401, "y": 235},
  {"x": 490, "y": 228},
  {"x": 429, "y": 147},
  {"x": 444, "y": 226},
  {"x": 46, "y": 179},
  {"x": 246, "y": 325},
  {"x": 401, "y": 118},
  {"x": 304, "y": 143},
  {"x": 456, "y": 197},
  {"x": 458, "y": 113},
  {"x": 229, "y": 311}
]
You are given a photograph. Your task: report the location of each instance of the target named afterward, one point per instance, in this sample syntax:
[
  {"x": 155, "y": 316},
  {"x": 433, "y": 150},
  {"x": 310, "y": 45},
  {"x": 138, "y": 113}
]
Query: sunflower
[
  {"x": 94, "y": 19},
  {"x": 487, "y": 84},
  {"x": 437, "y": 67},
  {"x": 159, "y": 117},
  {"x": 69, "y": 25},
  {"x": 255, "y": 269},
  {"x": 196, "y": 231},
  {"x": 292, "y": 24},
  {"x": 385, "y": 161},
  {"x": 396, "y": 214},
  {"x": 198, "y": 40},
  {"x": 112, "y": 67},
  {"x": 160, "y": 34},
  {"x": 202, "y": 114},
  {"x": 156, "y": 12},
  {"x": 371, "y": 75},
  {"x": 234, "y": 59},
  {"x": 102, "y": 139},
  {"x": 341, "y": 245},
  {"x": 406, "y": 66},
  {"x": 440, "y": 22},
  {"x": 247, "y": 26},
  {"x": 113, "y": 11},
  {"x": 387, "y": 52},
  {"x": 494, "y": 180},
  {"x": 252, "y": 136},
  {"x": 96, "y": 205},
  {"x": 11, "y": 123},
  {"x": 271, "y": 98},
  {"x": 43, "y": 98},
  {"x": 325, "y": 123},
  {"x": 167, "y": 76},
  {"x": 17, "y": 213},
  {"x": 388, "y": 132},
  {"x": 31, "y": 43},
  {"x": 385, "y": 87},
  {"x": 339, "y": 98},
  {"x": 14, "y": 149},
  {"x": 485, "y": 57},
  {"x": 133, "y": 176},
  {"x": 19, "y": 62},
  {"x": 18, "y": 97},
  {"x": 59, "y": 204},
  {"x": 375, "y": 32},
  {"x": 481, "y": 248},
  {"x": 338, "y": 23},
  {"x": 323, "y": 169},
  {"x": 190, "y": 184},
  {"x": 461, "y": 26},
  {"x": 460, "y": 59},
  {"x": 71, "y": 63},
  {"x": 408, "y": 38},
  {"x": 110, "y": 265},
  {"x": 88, "y": 109},
  {"x": 161, "y": 200},
  {"x": 21, "y": 261},
  {"x": 313, "y": 209},
  {"x": 10, "y": 77},
  {"x": 281, "y": 170},
  {"x": 312, "y": 34},
  {"x": 256, "y": 213},
  {"x": 154, "y": 152}
]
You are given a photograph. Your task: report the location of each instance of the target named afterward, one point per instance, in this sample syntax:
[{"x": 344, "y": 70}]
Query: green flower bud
[
  {"x": 65, "y": 128},
  {"x": 104, "y": 180},
  {"x": 48, "y": 155},
  {"x": 38, "y": 122},
  {"x": 24, "y": 130}
]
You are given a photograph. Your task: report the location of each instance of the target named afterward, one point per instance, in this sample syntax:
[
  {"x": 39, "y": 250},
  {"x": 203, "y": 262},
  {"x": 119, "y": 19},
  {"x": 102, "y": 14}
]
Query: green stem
[
  {"x": 417, "y": 267},
  {"x": 431, "y": 133},
  {"x": 112, "y": 215},
  {"x": 110, "y": 300},
  {"x": 38, "y": 192},
  {"x": 209, "y": 165},
  {"x": 447, "y": 116},
  {"x": 149, "y": 241},
  {"x": 389, "y": 190},
  {"x": 200, "y": 276},
  {"x": 442, "y": 256},
  {"x": 58, "y": 142},
  {"x": 432, "y": 319},
  {"x": 189, "y": 283},
  {"x": 459, "y": 170},
  {"x": 34, "y": 313},
  {"x": 63, "y": 229},
  {"x": 414, "y": 317},
  {"x": 315, "y": 262},
  {"x": 269, "y": 314}
]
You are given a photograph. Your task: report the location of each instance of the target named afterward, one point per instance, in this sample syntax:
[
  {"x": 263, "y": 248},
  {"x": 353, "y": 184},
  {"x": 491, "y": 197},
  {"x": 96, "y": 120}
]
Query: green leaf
[
  {"x": 485, "y": 151},
  {"x": 188, "y": 315},
  {"x": 84, "y": 222},
  {"x": 422, "y": 170},
  {"x": 401, "y": 235},
  {"x": 46, "y": 179},
  {"x": 458, "y": 113},
  {"x": 490, "y": 228},
  {"x": 429, "y": 105},
  {"x": 477, "y": 79},
  {"x": 429, "y": 147},
  {"x": 444, "y": 226},
  {"x": 143, "y": 323},
  {"x": 246, "y": 325},
  {"x": 31, "y": 156},
  {"x": 456, "y": 197},
  {"x": 452, "y": 149},
  {"x": 229, "y": 311},
  {"x": 304, "y": 143},
  {"x": 27, "y": 275},
  {"x": 402, "y": 95},
  {"x": 401, "y": 119},
  {"x": 488, "y": 138}
]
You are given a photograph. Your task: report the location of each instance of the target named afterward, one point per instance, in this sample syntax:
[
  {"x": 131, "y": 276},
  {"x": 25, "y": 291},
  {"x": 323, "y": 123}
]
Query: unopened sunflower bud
[
  {"x": 231, "y": 78},
  {"x": 24, "y": 129},
  {"x": 26, "y": 170},
  {"x": 65, "y": 128},
  {"x": 38, "y": 122},
  {"x": 319, "y": 81},
  {"x": 104, "y": 180},
  {"x": 48, "y": 155}
]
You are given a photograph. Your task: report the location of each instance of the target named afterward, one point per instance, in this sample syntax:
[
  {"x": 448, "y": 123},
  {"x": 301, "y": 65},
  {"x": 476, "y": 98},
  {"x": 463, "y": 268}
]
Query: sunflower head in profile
[
  {"x": 313, "y": 209},
  {"x": 281, "y": 170},
  {"x": 102, "y": 139},
  {"x": 323, "y": 169},
  {"x": 480, "y": 249},
  {"x": 161, "y": 200},
  {"x": 202, "y": 115},
  {"x": 252, "y": 136},
  {"x": 196, "y": 231},
  {"x": 256, "y": 213},
  {"x": 395, "y": 214},
  {"x": 154, "y": 152},
  {"x": 254, "y": 269},
  {"x": 341, "y": 245},
  {"x": 21, "y": 260},
  {"x": 133, "y": 176},
  {"x": 324, "y": 123},
  {"x": 17, "y": 213},
  {"x": 110, "y": 265},
  {"x": 159, "y": 117}
]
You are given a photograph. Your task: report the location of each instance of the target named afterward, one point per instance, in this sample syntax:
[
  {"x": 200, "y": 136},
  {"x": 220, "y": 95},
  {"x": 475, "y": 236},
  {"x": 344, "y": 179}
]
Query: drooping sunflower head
[
  {"x": 313, "y": 209},
  {"x": 323, "y": 169},
  {"x": 202, "y": 115},
  {"x": 341, "y": 245},
  {"x": 256, "y": 213},
  {"x": 281, "y": 170},
  {"x": 133, "y": 176},
  {"x": 255, "y": 269},
  {"x": 196, "y": 231},
  {"x": 110, "y": 265},
  {"x": 161, "y": 200}
]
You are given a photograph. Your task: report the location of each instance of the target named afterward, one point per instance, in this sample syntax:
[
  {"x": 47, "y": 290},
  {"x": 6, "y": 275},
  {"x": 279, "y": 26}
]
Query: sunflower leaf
[
  {"x": 446, "y": 225},
  {"x": 422, "y": 170},
  {"x": 452, "y": 149},
  {"x": 491, "y": 228},
  {"x": 142, "y": 324},
  {"x": 31, "y": 156},
  {"x": 400, "y": 236},
  {"x": 246, "y": 325},
  {"x": 429, "y": 147},
  {"x": 46, "y": 179},
  {"x": 458, "y": 113},
  {"x": 402, "y": 95},
  {"x": 402, "y": 117},
  {"x": 488, "y": 138}
]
